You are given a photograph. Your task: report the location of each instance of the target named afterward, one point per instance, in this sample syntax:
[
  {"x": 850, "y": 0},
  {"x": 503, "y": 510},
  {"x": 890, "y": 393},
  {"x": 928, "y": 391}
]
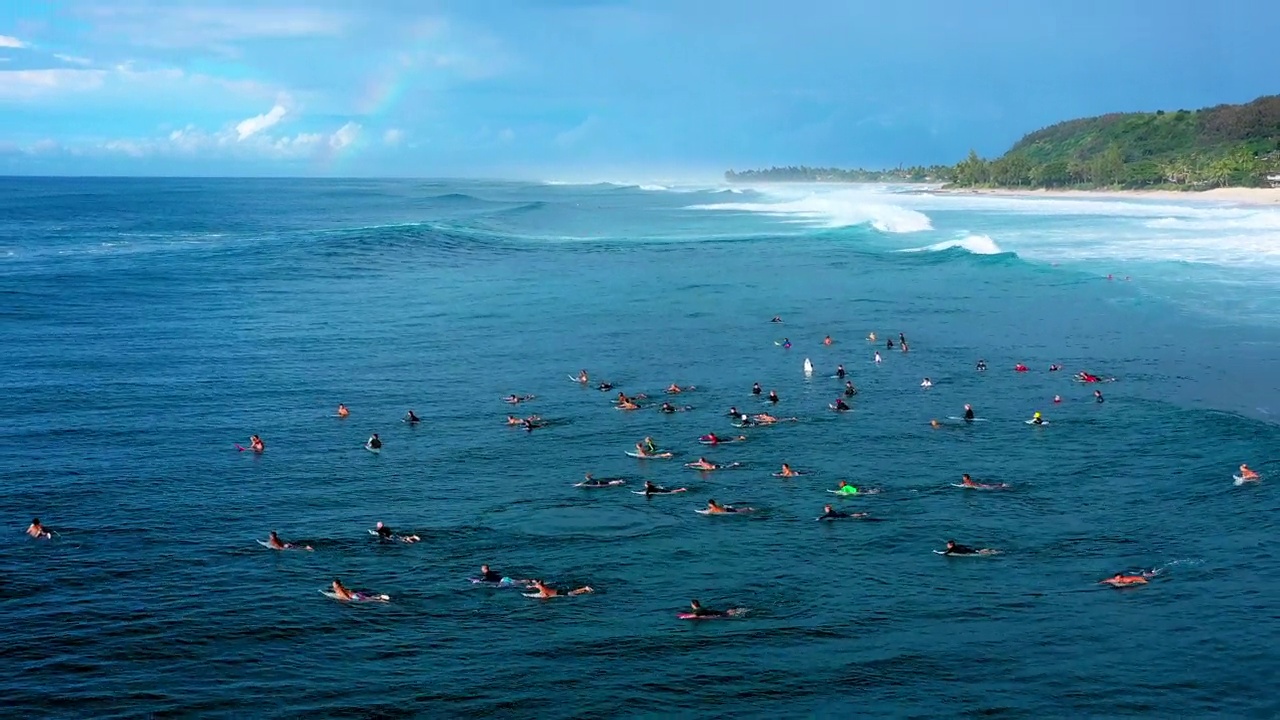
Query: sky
[{"x": 590, "y": 89}]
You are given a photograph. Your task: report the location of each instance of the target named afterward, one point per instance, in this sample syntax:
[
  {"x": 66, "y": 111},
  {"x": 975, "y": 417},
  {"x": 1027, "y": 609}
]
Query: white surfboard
[
  {"x": 1241, "y": 480},
  {"x": 808, "y": 367}
]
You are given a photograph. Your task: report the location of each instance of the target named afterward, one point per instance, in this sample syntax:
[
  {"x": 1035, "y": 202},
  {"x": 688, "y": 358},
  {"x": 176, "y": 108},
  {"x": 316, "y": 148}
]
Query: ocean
[{"x": 149, "y": 326}]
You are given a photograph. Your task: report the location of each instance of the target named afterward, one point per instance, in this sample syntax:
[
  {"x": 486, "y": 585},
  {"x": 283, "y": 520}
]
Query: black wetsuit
[
  {"x": 961, "y": 550},
  {"x": 705, "y": 612},
  {"x": 968, "y": 414},
  {"x": 840, "y": 405},
  {"x": 1098, "y": 398},
  {"x": 375, "y": 444},
  {"x": 889, "y": 344},
  {"x": 840, "y": 372},
  {"x": 850, "y": 391},
  {"x": 413, "y": 418},
  {"x": 755, "y": 389},
  {"x": 491, "y": 576},
  {"x": 835, "y": 515},
  {"x": 667, "y": 408},
  {"x": 384, "y": 533},
  {"x": 773, "y": 397}
]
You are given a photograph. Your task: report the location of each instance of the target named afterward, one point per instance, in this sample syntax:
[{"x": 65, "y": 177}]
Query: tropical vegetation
[{"x": 1223, "y": 146}]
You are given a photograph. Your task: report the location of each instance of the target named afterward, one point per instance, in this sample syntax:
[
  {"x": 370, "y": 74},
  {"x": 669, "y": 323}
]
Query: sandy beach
[{"x": 1242, "y": 196}]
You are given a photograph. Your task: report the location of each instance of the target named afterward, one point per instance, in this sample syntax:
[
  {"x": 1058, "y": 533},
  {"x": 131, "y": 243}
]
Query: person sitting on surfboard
[
  {"x": 849, "y": 389},
  {"x": 840, "y": 373},
  {"x": 1246, "y": 473},
  {"x": 968, "y": 411},
  {"x": 982, "y": 365},
  {"x": 582, "y": 377},
  {"x": 840, "y": 405},
  {"x": 755, "y": 389},
  {"x": 926, "y": 383},
  {"x": 786, "y": 343},
  {"x": 256, "y": 444},
  {"x": 1097, "y": 396},
  {"x": 1036, "y": 419},
  {"x": 275, "y": 543},
  {"x": 411, "y": 418},
  {"x": 546, "y": 591},
  {"x": 343, "y": 411},
  {"x": 38, "y": 531},
  {"x": 374, "y": 443},
  {"x": 773, "y": 396}
]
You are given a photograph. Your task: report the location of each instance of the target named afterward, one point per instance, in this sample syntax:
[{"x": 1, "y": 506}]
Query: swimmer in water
[
  {"x": 968, "y": 411},
  {"x": 935, "y": 424},
  {"x": 926, "y": 383},
  {"x": 773, "y": 396},
  {"x": 1097, "y": 396},
  {"x": 1245, "y": 473},
  {"x": 786, "y": 472},
  {"x": 39, "y": 532},
  {"x": 840, "y": 372},
  {"x": 343, "y": 411},
  {"x": 256, "y": 444},
  {"x": 546, "y": 591},
  {"x": 755, "y": 389},
  {"x": 826, "y": 340},
  {"x": 373, "y": 443},
  {"x": 878, "y": 360},
  {"x": 982, "y": 365},
  {"x": 840, "y": 405},
  {"x": 384, "y": 532},
  {"x": 274, "y": 542},
  {"x": 845, "y": 488},
  {"x": 1122, "y": 580},
  {"x": 412, "y": 419},
  {"x": 1036, "y": 419},
  {"x": 849, "y": 389}
]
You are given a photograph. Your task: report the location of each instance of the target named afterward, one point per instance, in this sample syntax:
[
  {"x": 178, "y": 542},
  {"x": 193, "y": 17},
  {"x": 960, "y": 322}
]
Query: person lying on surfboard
[
  {"x": 591, "y": 482},
  {"x": 341, "y": 592},
  {"x": 830, "y": 513},
  {"x": 674, "y": 389},
  {"x": 1246, "y": 473},
  {"x": 840, "y": 405},
  {"x": 696, "y": 610},
  {"x": 343, "y": 411},
  {"x": 256, "y": 444},
  {"x": 702, "y": 464},
  {"x": 1122, "y": 580},
  {"x": 968, "y": 411},
  {"x": 384, "y": 532},
  {"x": 374, "y": 443},
  {"x": 38, "y": 531},
  {"x": 546, "y": 591},
  {"x": 651, "y": 489},
  {"x": 954, "y": 548},
  {"x": 715, "y": 508},
  {"x": 968, "y": 482},
  {"x": 517, "y": 399},
  {"x": 275, "y": 543}
]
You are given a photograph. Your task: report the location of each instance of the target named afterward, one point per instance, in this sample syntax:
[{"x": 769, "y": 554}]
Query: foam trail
[
  {"x": 976, "y": 244},
  {"x": 837, "y": 209}
]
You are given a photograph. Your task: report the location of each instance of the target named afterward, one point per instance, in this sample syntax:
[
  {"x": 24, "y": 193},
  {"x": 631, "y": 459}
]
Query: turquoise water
[{"x": 147, "y": 326}]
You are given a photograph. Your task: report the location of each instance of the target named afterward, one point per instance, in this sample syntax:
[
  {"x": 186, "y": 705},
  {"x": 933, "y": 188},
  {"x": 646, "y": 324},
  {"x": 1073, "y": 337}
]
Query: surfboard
[
  {"x": 373, "y": 450},
  {"x": 359, "y": 597},
  {"x": 1033, "y": 422},
  {"x": 731, "y": 612},
  {"x": 661, "y": 492},
  {"x": 738, "y": 511},
  {"x": 656, "y": 456},
  {"x": 977, "y": 419},
  {"x": 837, "y": 492},
  {"x": 838, "y": 409},
  {"x": 610, "y": 483},
  {"x": 980, "y": 553},
  {"x": 504, "y": 582},
  {"x": 1241, "y": 480},
  {"x": 576, "y": 379},
  {"x": 1001, "y": 486}
]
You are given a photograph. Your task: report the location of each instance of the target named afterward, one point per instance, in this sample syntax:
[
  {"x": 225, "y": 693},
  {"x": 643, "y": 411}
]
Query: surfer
[
  {"x": 845, "y": 488},
  {"x": 829, "y": 513},
  {"x": 840, "y": 372},
  {"x": 1036, "y": 419},
  {"x": 786, "y": 343},
  {"x": 583, "y": 378},
  {"x": 696, "y": 610},
  {"x": 968, "y": 412},
  {"x": 343, "y": 411},
  {"x": 644, "y": 453},
  {"x": 744, "y": 421},
  {"x": 667, "y": 408},
  {"x": 776, "y": 319},
  {"x": 715, "y": 508},
  {"x": 878, "y": 360},
  {"x": 649, "y": 444},
  {"x": 902, "y": 339},
  {"x": 954, "y": 548},
  {"x": 275, "y": 543},
  {"x": 840, "y": 405},
  {"x": 1020, "y": 368},
  {"x": 733, "y": 412},
  {"x": 935, "y": 424},
  {"x": 773, "y": 396},
  {"x": 1122, "y": 580},
  {"x": 341, "y": 591},
  {"x": 513, "y": 420},
  {"x": 871, "y": 337},
  {"x": 674, "y": 389},
  {"x": 1246, "y": 473},
  {"x": 889, "y": 344},
  {"x": 546, "y": 591},
  {"x": 590, "y": 482},
  {"x": 1057, "y": 399},
  {"x": 605, "y": 386},
  {"x": 765, "y": 419},
  {"x": 487, "y": 574},
  {"x": 384, "y": 532},
  {"x": 1097, "y": 396},
  {"x": 926, "y": 383},
  {"x": 38, "y": 531},
  {"x": 703, "y": 464},
  {"x": 786, "y": 472},
  {"x": 374, "y": 443},
  {"x": 849, "y": 389},
  {"x": 412, "y": 419},
  {"x": 826, "y": 340},
  {"x": 625, "y": 403},
  {"x": 755, "y": 390},
  {"x": 256, "y": 444},
  {"x": 982, "y": 365},
  {"x": 968, "y": 482},
  {"x": 1055, "y": 367}
]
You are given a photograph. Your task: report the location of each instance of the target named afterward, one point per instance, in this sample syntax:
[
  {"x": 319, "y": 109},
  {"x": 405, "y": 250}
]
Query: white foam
[
  {"x": 654, "y": 188},
  {"x": 833, "y": 208},
  {"x": 976, "y": 244}
]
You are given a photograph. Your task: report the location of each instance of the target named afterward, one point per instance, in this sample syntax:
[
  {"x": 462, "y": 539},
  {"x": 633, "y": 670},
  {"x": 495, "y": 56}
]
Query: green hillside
[{"x": 1223, "y": 146}]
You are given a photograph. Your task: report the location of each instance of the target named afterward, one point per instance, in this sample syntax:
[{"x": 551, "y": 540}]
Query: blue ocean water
[{"x": 148, "y": 326}]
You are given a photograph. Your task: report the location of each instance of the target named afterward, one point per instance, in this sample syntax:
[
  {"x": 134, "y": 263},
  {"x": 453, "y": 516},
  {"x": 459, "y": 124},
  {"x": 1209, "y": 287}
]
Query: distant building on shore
[{"x": 1274, "y": 180}]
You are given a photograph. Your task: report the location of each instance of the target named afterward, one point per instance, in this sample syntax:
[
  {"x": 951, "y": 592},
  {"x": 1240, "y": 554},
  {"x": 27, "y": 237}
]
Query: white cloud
[
  {"x": 258, "y": 123},
  {"x": 169, "y": 87},
  {"x": 8, "y": 41},
  {"x": 72, "y": 59},
  {"x": 28, "y": 84},
  {"x": 165, "y": 25},
  {"x": 393, "y": 136},
  {"x": 344, "y": 136}
]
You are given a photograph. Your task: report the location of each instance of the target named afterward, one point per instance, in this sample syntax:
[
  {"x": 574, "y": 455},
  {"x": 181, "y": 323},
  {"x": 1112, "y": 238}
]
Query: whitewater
[{"x": 149, "y": 327}]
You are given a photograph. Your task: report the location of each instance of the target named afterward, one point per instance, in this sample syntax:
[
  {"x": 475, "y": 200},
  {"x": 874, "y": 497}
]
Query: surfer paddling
[
  {"x": 275, "y": 543},
  {"x": 546, "y": 591}
]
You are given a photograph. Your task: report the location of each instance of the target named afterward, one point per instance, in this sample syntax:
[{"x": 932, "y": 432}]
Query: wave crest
[
  {"x": 836, "y": 210},
  {"x": 974, "y": 244}
]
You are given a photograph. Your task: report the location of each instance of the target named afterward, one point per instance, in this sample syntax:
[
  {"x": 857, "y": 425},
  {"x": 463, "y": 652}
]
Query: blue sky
[{"x": 572, "y": 89}]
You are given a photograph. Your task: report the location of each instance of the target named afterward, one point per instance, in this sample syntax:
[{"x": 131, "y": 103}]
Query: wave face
[{"x": 974, "y": 244}]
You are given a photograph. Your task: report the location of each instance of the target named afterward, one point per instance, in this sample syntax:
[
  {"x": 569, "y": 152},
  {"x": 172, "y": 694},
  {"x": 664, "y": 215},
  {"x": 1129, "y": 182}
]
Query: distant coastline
[{"x": 1223, "y": 147}]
